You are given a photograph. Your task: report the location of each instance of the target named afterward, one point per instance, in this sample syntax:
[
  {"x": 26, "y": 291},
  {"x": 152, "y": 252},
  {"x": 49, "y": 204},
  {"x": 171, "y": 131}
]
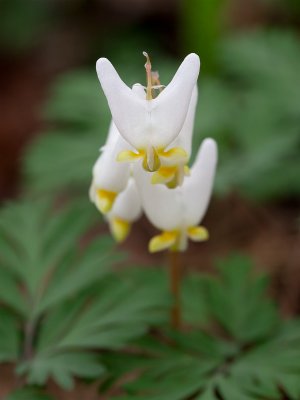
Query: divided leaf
[
  {"x": 238, "y": 302},
  {"x": 60, "y": 297},
  {"x": 254, "y": 357}
]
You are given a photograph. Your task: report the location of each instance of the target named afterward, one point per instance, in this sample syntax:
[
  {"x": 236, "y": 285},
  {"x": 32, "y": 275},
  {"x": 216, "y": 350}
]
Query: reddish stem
[{"x": 175, "y": 281}]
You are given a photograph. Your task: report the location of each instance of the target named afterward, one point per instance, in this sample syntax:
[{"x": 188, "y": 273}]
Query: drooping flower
[
  {"x": 150, "y": 124},
  {"x": 126, "y": 210},
  {"x": 178, "y": 212},
  {"x": 109, "y": 177}
]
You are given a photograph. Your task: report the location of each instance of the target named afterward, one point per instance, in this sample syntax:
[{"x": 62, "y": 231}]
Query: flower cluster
[{"x": 144, "y": 164}]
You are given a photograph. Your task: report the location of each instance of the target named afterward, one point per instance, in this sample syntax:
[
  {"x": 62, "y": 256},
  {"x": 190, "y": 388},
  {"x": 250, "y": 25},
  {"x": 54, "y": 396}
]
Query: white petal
[
  {"x": 139, "y": 91},
  {"x": 108, "y": 174},
  {"x": 173, "y": 102},
  {"x": 162, "y": 206},
  {"x": 145, "y": 123},
  {"x": 198, "y": 187},
  {"x": 92, "y": 192},
  {"x": 127, "y": 206},
  {"x": 185, "y": 137},
  {"x": 129, "y": 112}
]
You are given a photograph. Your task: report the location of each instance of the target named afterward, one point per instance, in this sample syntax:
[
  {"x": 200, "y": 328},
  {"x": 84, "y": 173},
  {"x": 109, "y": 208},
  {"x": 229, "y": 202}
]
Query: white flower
[
  {"x": 149, "y": 124},
  {"x": 109, "y": 176},
  {"x": 178, "y": 212},
  {"x": 126, "y": 210}
]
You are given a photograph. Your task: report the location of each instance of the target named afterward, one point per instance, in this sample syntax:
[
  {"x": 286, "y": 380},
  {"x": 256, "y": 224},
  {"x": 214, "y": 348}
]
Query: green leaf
[
  {"x": 254, "y": 156},
  {"x": 107, "y": 317},
  {"x": 10, "y": 293},
  {"x": 194, "y": 303},
  {"x": 63, "y": 158},
  {"x": 9, "y": 337},
  {"x": 66, "y": 299},
  {"x": 28, "y": 393},
  {"x": 74, "y": 276},
  {"x": 71, "y": 167},
  {"x": 238, "y": 301},
  {"x": 62, "y": 367},
  {"x": 175, "y": 368},
  {"x": 211, "y": 364},
  {"x": 39, "y": 243}
]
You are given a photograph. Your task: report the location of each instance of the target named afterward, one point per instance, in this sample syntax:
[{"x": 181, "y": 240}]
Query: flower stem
[{"x": 175, "y": 281}]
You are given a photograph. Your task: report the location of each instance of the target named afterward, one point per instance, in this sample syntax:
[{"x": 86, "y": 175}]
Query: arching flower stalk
[{"x": 144, "y": 163}]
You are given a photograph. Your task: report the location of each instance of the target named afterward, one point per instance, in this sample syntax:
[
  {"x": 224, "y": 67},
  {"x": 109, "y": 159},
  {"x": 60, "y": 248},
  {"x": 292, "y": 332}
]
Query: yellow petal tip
[
  {"x": 120, "y": 229},
  {"x": 163, "y": 175},
  {"x": 128, "y": 156},
  {"x": 162, "y": 242},
  {"x": 198, "y": 233},
  {"x": 175, "y": 155},
  {"x": 105, "y": 200}
]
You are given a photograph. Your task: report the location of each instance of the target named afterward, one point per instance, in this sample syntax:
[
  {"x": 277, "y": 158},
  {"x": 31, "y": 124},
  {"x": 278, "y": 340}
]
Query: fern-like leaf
[
  {"x": 62, "y": 297},
  {"x": 251, "y": 357}
]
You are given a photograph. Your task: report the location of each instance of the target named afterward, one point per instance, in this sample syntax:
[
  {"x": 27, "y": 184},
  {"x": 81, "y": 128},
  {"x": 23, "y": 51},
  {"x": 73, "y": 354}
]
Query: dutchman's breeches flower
[
  {"x": 150, "y": 124},
  {"x": 144, "y": 163},
  {"x": 109, "y": 177},
  {"x": 154, "y": 134},
  {"x": 178, "y": 212},
  {"x": 126, "y": 210}
]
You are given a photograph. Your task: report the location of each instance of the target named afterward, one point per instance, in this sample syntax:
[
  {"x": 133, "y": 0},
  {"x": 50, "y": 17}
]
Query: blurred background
[{"x": 54, "y": 116}]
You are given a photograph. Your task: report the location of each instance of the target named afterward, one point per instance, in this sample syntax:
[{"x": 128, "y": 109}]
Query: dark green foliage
[
  {"x": 238, "y": 302},
  {"x": 201, "y": 22},
  {"x": 243, "y": 353},
  {"x": 58, "y": 303},
  {"x": 253, "y": 112},
  {"x": 28, "y": 393},
  {"x": 9, "y": 336},
  {"x": 64, "y": 156},
  {"x": 59, "y": 297}
]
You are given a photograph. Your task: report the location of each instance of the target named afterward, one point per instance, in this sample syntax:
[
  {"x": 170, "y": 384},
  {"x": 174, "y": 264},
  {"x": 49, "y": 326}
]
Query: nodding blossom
[
  {"x": 178, "y": 212},
  {"x": 144, "y": 164},
  {"x": 126, "y": 210},
  {"x": 150, "y": 124},
  {"x": 109, "y": 177}
]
